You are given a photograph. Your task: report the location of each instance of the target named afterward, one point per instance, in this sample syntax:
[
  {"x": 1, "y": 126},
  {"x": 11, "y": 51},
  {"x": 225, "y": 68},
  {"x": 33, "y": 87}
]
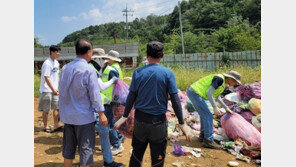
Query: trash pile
[{"x": 238, "y": 133}]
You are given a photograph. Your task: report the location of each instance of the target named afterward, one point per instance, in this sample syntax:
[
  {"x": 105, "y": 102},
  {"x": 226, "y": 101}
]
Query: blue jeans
[
  {"x": 113, "y": 134},
  {"x": 104, "y": 137},
  {"x": 206, "y": 117}
]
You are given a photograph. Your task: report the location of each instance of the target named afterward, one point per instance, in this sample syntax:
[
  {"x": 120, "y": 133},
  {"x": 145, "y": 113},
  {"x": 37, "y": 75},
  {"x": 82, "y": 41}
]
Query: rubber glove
[{"x": 119, "y": 122}]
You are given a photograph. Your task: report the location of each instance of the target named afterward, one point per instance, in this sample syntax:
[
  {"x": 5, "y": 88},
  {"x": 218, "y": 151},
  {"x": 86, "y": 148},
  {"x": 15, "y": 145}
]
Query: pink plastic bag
[
  {"x": 183, "y": 99},
  {"x": 120, "y": 93},
  {"x": 248, "y": 91},
  {"x": 237, "y": 127},
  {"x": 126, "y": 128},
  {"x": 248, "y": 115}
]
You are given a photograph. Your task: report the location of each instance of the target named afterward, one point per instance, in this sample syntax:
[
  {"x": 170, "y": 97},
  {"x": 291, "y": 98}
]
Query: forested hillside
[{"x": 208, "y": 26}]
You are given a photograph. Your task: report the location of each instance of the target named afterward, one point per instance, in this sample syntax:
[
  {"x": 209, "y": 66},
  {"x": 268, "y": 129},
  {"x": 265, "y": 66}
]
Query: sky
[{"x": 55, "y": 19}]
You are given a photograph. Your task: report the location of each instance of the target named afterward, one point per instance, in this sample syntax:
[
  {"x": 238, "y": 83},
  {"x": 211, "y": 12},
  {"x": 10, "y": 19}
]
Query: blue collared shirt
[
  {"x": 79, "y": 94},
  {"x": 152, "y": 84}
]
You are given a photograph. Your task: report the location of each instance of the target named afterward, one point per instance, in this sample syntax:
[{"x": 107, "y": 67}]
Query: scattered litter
[
  {"x": 178, "y": 164},
  {"x": 232, "y": 97},
  {"x": 243, "y": 158},
  {"x": 229, "y": 144},
  {"x": 258, "y": 161},
  {"x": 207, "y": 151},
  {"x": 231, "y": 151},
  {"x": 119, "y": 155},
  {"x": 197, "y": 155},
  {"x": 238, "y": 148},
  {"x": 233, "y": 163},
  {"x": 218, "y": 137},
  {"x": 197, "y": 150},
  {"x": 131, "y": 151},
  {"x": 177, "y": 150}
]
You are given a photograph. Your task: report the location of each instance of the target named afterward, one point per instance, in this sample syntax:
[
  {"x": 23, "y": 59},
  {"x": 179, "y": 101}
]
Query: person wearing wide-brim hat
[
  {"x": 208, "y": 88},
  {"x": 112, "y": 70},
  {"x": 98, "y": 60}
]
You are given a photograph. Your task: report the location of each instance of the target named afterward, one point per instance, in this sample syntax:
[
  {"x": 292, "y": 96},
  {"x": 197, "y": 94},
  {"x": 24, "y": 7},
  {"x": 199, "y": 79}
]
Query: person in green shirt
[{"x": 208, "y": 88}]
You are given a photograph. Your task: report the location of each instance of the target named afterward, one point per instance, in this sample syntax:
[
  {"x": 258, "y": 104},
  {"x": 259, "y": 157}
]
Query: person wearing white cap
[
  {"x": 111, "y": 70},
  {"x": 208, "y": 88}
]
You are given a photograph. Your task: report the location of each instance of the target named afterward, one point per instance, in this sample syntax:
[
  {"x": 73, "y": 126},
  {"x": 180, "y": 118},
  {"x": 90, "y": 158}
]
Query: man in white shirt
[{"x": 49, "y": 89}]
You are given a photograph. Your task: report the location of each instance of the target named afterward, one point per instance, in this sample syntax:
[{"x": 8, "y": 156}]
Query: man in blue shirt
[
  {"x": 149, "y": 92},
  {"x": 79, "y": 100}
]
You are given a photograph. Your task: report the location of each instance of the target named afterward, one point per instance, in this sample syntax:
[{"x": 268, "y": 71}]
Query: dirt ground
[{"x": 48, "y": 150}]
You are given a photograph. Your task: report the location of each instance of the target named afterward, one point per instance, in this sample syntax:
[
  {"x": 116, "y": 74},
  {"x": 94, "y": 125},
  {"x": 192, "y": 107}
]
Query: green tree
[{"x": 36, "y": 43}]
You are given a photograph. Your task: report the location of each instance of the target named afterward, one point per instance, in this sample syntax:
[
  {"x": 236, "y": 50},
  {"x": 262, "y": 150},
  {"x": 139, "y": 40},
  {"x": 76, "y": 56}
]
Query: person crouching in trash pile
[
  {"x": 208, "y": 88},
  {"x": 149, "y": 90}
]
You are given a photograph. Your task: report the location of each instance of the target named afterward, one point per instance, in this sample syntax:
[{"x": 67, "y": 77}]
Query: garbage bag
[
  {"x": 255, "y": 106},
  {"x": 237, "y": 127},
  {"x": 177, "y": 149},
  {"x": 248, "y": 91},
  {"x": 248, "y": 115},
  {"x": 120, "y": 92},
  {"x": 256, "y": 121},
  {"x": 234, "y": 106},
  {"x": 183, "y": 99}
]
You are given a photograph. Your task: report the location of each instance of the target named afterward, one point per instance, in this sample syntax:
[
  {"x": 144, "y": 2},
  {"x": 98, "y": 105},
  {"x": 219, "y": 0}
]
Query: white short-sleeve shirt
[{"x": 51, "y": 69}]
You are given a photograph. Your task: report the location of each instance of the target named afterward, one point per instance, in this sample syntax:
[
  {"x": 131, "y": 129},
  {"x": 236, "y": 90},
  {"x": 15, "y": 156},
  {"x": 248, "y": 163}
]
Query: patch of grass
[
  {"x": 186, "y": 77},
  {"x": 36, "y": 85}
]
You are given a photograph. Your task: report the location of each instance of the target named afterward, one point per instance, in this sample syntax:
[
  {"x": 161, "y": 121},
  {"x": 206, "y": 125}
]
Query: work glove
[
  {"x": 217, "y": 111},
  {"x": 187, "y": 131},
  {"x": 119, "y": 122},
  {"x": 114, "y": 80}
]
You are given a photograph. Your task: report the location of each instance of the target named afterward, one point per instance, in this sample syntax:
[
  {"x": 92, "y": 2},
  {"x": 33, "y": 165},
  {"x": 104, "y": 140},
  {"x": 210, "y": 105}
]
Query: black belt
[{"x": 141, "y": 116}]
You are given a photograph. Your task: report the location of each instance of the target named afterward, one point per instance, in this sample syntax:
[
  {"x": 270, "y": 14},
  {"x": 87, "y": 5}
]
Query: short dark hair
[
  {"x": 54, "y": 48},
  {"x": 155, "y": 49},
  {"x": 82, "y": 46}
]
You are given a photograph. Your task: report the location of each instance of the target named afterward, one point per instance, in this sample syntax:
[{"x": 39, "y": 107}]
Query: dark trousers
[{"x": 156, "y": 136}]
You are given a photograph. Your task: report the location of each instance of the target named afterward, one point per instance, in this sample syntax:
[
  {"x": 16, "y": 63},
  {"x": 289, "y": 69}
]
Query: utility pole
[
  {"x": 126, "y": 22},
  {"x": 181, "y": 29}
]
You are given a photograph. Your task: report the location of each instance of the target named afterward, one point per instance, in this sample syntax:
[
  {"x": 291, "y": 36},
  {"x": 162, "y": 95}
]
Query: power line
[
  {"x": 166, "y": 11},
  {"x": 145, "y": 6}
]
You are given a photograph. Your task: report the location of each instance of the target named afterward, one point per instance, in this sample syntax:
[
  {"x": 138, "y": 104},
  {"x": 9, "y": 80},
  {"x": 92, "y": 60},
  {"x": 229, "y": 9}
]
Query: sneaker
[
  {"x": 211, "y": 144},
  {"x": 112, "y": 164},
  {"x": 201, "y": 137},
  {"x": 122, "y": 139},
  {"x": 118, "y": 150}
]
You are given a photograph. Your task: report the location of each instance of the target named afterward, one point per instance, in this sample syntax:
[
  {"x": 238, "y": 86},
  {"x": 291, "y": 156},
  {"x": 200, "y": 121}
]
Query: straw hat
[
  {"x": 234, "y": 75},
  {"x": 113, "y": 55},
  {"x": 98, "y": 53}
]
